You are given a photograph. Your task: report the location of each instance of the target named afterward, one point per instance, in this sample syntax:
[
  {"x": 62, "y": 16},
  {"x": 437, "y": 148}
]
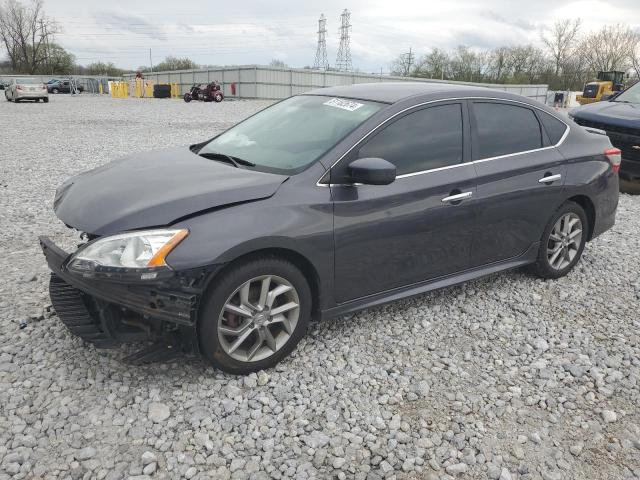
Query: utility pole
[
  {"x": 408, "y": 62},
  {"x": 150, "y": 60}
]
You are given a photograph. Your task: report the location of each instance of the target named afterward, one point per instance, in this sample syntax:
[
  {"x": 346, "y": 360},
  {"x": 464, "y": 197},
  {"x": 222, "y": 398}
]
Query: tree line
[{"x": 565, "y": 61}]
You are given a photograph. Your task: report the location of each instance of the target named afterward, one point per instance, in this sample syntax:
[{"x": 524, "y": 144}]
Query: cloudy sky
[{"x": 249, "y": 31}]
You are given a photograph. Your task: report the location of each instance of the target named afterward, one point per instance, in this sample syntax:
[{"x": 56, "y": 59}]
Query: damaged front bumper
[{"x": 167, "y": 301}]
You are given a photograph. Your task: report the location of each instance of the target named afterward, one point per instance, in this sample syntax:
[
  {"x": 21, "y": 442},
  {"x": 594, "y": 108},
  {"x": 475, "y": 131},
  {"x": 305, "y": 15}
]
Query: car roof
[{"x": 392, "y": 92}]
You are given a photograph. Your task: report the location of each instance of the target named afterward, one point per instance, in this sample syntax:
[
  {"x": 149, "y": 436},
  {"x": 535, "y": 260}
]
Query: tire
[
  {"x": 217, "y": 97},
  {"x": 556, "y": 259},
  {"x": 187, "y": 97},
  {"x": 55, "y": 90},
  {"x": 284, "y": 335},
  {"x": 45, "y": 100}
]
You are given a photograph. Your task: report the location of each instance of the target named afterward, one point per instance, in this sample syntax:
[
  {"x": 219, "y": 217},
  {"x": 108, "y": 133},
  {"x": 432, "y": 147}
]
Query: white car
[{"x": 26, "y": 89}]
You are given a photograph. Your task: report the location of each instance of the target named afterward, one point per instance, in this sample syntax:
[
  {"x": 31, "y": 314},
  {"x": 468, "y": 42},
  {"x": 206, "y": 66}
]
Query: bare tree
[
  {"x": 433, "y": 65},
  {"x": 277, "y": 63},
  {"x": 610, "y": 48},
  {"x": 561, "y": 41},
  {"x": 635, "y": 57},
  {"x": 498, "y": 64},
  {"x": 25, "y": 32}
]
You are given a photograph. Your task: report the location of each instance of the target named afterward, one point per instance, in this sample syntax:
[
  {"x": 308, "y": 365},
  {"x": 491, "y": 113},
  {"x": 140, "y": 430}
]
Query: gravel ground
[{"x": 509, "y": 377}]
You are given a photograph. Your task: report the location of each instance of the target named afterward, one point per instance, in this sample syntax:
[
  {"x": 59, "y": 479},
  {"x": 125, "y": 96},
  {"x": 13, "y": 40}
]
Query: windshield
[
  {"x": 27, "y": 81},
  {"x": 631, "y": 95},
  {"x": 590, "y": 90},
  {"x": 292, "y": 134}
]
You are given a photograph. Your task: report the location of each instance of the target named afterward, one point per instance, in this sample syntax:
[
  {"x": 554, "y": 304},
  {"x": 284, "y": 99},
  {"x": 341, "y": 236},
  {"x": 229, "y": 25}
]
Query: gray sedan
[
  {"x": 326, "y": 203},
  {"x": 25, "y": 88}
]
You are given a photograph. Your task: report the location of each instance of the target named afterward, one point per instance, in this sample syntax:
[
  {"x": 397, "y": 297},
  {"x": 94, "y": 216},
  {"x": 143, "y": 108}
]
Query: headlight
[{"x": 143, "y": 249}]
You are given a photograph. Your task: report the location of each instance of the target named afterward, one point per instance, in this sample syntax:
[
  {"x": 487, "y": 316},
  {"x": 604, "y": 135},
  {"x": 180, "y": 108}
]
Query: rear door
[
  {"x": 520, "y": 177},
  {"x": 389, "y": 236}
]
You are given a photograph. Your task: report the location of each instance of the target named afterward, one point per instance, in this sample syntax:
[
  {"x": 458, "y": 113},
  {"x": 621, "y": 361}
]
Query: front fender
[{"x": 280, "y": 222}]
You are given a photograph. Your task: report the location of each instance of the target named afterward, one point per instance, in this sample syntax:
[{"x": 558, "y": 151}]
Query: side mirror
[{"x": 372, "y": 171}]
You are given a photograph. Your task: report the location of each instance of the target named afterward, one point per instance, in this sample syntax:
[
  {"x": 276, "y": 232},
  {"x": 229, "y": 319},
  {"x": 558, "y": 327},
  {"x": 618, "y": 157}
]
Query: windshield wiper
[{"x": 235, "y": 161}]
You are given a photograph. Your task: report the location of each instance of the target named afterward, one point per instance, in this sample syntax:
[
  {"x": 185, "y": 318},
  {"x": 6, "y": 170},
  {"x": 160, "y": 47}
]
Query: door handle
[
  {"x": 550, "y": 178},
  {"x": 456, "y": 198}
]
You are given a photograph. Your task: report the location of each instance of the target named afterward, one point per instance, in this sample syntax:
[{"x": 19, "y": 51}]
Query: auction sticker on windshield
[{"x": 343, "y": 104}]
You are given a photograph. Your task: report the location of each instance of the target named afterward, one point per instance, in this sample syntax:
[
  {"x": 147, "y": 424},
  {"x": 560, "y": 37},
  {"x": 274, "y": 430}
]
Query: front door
[{"x": 420, "y": 226}]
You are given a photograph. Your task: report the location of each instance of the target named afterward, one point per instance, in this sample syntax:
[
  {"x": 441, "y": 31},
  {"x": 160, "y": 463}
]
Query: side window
[
  {"x": 503, "y": 129},
  {"x": 555, "y": 128},
  {"x": 422, "y": 140}
]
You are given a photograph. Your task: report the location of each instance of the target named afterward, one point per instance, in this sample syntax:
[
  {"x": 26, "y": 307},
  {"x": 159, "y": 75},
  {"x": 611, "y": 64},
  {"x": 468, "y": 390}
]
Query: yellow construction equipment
[{"x": 607, "y": 84}]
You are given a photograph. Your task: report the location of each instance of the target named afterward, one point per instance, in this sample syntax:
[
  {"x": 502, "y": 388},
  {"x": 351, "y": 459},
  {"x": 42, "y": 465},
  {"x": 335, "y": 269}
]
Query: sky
[{"x": 248, "y": 31}]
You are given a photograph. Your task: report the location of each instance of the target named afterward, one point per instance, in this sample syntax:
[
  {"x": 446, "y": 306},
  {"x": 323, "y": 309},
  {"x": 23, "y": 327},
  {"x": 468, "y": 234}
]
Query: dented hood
[{"x": 155, "y": 188}]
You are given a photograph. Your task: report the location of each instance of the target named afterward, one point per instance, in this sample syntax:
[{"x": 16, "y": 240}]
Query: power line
[
  {"x": 343, "y": 60},
  {"x": 321, "y": 62}
]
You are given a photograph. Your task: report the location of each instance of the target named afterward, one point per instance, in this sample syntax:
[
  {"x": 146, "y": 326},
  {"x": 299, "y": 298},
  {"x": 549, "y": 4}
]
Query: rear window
[
  {"x": 27, "y": 81},
  {"x": 555, "y": 128},
  {"x": 503, "y": 129}
]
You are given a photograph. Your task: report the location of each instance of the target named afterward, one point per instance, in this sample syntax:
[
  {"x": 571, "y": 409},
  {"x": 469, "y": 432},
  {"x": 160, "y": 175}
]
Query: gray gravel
[{"x": 509, "y": 377}]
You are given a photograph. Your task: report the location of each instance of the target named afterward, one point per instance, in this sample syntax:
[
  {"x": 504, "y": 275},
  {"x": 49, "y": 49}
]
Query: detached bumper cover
[{"x": 172, "y": 297}]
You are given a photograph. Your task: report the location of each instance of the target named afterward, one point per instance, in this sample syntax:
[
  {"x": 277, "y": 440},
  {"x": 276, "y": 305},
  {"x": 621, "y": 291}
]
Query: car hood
[
  {"x": 612, "y": 113},
  {"x": 154, "y": 189}
]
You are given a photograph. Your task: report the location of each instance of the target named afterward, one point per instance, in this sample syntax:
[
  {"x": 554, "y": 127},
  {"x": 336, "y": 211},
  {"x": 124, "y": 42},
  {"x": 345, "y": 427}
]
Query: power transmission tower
[
  {"x": 343, "y": 61},
  {"x": 321, "y": 62}
]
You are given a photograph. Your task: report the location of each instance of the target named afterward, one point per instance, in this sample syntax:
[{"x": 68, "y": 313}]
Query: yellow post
[{"x": 100, "y": 88}]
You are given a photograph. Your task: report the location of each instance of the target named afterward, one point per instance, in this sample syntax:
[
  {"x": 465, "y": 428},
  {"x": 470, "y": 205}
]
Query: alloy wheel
[
  {"x": 564, "y": 241},
  {"x": 258, "y": 318}
]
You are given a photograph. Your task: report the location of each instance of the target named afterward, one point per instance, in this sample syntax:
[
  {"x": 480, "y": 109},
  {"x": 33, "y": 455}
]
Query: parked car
[
  {"x": 26, "y": 89},
  {"x": 62, "y": 86},
  {"x": 620, "y": 118},
  {"x": 323, "y": 204}
]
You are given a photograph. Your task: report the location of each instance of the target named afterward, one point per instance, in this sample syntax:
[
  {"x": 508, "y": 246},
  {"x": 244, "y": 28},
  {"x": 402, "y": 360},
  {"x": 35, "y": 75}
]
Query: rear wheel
[
  {"x": 255, "y": 315},
  {"x": 45, "y": 100},
  {"x": 562, "y": 242},
  {"x": 55, "y": 90}
]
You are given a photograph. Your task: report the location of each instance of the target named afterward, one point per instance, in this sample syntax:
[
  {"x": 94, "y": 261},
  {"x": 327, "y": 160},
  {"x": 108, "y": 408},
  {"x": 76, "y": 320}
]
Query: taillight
[
  {"x": 615, "y": 158},
  {"x": 43, "y": 87},
  {"x": 18, "y": 87}
]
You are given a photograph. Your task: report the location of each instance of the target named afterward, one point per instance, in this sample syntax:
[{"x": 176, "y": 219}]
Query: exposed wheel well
[
  {"x": 302, "y": 263},
  {"x": 586, "y": 203}
]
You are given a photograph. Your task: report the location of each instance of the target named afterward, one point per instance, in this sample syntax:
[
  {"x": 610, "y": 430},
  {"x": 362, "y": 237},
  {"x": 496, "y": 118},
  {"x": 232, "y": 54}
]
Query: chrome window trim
[{"x": 422, "y": 172}]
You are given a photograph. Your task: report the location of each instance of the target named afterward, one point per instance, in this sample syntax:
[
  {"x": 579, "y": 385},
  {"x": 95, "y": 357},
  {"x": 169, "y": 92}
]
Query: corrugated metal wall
[{"x": 274, "y": 83}]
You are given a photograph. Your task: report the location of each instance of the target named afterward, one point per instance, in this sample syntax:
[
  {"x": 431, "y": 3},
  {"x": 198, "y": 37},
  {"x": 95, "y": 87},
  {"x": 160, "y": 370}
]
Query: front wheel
[
  {"x": 217, "y": 97},
  {"x": 255, "y": 315},
  {"x": 55, "y": 90},
  {"x": 562, "y": 242},
  {"x": 187, "y": 97}
]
